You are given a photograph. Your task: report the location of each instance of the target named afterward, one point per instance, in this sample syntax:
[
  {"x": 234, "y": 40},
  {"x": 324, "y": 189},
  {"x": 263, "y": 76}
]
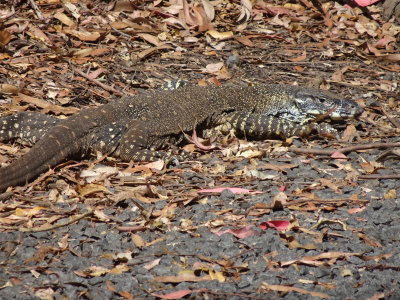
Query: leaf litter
[{"x": 110, "y": 229}]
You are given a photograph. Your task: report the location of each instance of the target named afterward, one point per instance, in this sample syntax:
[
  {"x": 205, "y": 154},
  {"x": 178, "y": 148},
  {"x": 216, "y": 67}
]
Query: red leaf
[
  {"x": 239, "y": 233},
  {"x": 277, "y": 224}
]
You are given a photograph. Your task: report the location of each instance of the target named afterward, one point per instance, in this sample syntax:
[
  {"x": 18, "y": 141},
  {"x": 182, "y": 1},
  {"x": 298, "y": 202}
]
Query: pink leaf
[
  {"x": 277, "y": 224},
  {"x": 365, "y": 2},
  {"x": 338, "y": 154},
  {"x": 240, "y": 233},
  {"x": 233, "y": 190},
  {"x": 174, "y": 295},
  {"x": 356, "y": 210}
]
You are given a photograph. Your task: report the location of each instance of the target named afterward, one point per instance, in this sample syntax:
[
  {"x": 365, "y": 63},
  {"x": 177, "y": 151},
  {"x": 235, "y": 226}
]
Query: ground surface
[{"x": 304, "y": 226}]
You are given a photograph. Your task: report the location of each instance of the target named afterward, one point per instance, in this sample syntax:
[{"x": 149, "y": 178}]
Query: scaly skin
[{"x": 140, "y": 127}]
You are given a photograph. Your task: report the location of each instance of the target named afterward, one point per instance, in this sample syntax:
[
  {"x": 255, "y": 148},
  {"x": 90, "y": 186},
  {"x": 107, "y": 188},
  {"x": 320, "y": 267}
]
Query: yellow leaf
[
  {"x": 391, "y": 194},
  {"x": 28, "y": 212},
  {"x": 4, "y": 56},
  {"x": 293, "y": 6},
  {"x": 97, "y": 271},
  {"x": 217, "y": 275},
  {"x": 138, "y": 241},
  {"x": 186, "y": 274},
  {"x": 63, "y": 18},
  {"x": 90, "y": 189},
  {"x": 220, "y": 35},
  {"x": 119, "y": 269}
]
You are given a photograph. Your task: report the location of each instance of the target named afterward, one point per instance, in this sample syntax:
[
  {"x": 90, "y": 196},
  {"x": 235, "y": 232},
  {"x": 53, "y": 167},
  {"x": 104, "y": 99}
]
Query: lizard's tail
[{"x": 47, "y": 153}]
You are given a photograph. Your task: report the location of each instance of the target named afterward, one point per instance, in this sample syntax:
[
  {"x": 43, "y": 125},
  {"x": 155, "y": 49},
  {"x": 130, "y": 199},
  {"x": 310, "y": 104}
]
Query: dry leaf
[
  {"x": 287, "y": 289},
  {"x": 138, "y": 241},
  {"x": 8, "y": 89},
  {"x": 220, "y": 35},
  {"x": 90, "y": 189},
  {"x": 63, "y": 18},
  {"x": 5, "y": 37},
  {"x": 29, "y": 212}
]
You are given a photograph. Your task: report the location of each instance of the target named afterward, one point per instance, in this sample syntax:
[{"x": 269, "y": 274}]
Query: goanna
[{"x": 141, "y": 127}]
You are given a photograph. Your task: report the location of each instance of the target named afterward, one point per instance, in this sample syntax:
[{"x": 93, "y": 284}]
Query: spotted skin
[
  {"x": 142, "y": 127},
  {"x": 26, "y": 127}
]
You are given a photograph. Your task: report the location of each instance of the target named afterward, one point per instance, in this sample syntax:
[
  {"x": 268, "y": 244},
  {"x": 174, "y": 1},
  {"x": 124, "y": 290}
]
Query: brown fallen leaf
[
  {"x": 64, "y": 19},
  {"x": 8, "y": 89},
  {"x": 5, "y": 37},
  {"x": 56, "y": 109},
  {"x": 287, "y": 289},
  {"x": 90, "y": 188},
  {"x": 85, "y": 36}
]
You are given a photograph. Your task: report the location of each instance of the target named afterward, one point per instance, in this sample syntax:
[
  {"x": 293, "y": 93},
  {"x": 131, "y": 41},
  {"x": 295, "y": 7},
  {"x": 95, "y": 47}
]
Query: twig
[
  {"x": 36, "y": 9},
  {"x": 323, "y": 201},
  {"x": 73, "y": 219},
  {"x": 377, "y": 176},
  {"x": 343, "y": 150},
  {"x": 131, "y": 228},
  {"x": 102, "y": 85},
  {"x": 389, "y": 154},
  {"x": 391, "y": 120},
  {"x": 120, "y": 32},
  {"x": 40, "y": 178},
  {"x": 229, "y": 294}
]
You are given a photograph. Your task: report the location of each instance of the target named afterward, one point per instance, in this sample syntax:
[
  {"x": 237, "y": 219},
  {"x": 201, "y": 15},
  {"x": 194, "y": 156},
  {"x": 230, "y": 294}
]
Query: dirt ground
[{"x": 296, "y": 219}]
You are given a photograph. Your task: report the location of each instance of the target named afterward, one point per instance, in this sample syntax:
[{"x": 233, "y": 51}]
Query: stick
[
  {"x": 343, "y": 150},
  {"x": 105, "y": 87},
  {"x": 377, "y": 176}
]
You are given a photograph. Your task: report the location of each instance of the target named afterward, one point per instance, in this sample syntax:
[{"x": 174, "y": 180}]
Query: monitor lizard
[{"x": 141, "y": 127}]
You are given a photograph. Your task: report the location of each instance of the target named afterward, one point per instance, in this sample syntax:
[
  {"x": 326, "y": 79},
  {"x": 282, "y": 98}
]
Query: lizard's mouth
[
  {"x": 338, "y": 114},
  {"x": 348, "y": 113}
]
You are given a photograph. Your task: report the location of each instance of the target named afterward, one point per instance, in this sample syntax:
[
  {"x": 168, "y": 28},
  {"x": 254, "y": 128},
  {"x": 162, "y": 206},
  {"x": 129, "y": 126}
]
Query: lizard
[{"x": 143, "y": 126}]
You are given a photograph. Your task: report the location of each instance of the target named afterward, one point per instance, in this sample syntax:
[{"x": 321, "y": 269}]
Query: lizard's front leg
[{"x": 259, "y": 126}]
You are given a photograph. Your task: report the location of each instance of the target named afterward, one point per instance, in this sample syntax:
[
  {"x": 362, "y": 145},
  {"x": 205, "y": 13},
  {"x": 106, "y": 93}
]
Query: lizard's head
[{"x": 319, "y": 103}]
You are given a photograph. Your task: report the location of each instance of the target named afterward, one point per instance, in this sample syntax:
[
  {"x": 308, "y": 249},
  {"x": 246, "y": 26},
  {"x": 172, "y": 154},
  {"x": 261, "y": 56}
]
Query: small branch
[
  {"x": 36, "y": 9},
  {"x": 323, "y": 201},
  {"x": 72, "y": 219},
  {"x": 102, "y": 85},
  {"x": 343, "y": 150},
  {"x": 377, "y": 176},
  {"x": 391, "y": 120},
  {"x": 39, "y": 229},
  {"x": 41, "y": 178}
]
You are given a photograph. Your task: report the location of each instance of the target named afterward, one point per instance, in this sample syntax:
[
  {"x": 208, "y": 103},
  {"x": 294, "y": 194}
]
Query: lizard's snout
[{"x": 346, "y": 110}]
